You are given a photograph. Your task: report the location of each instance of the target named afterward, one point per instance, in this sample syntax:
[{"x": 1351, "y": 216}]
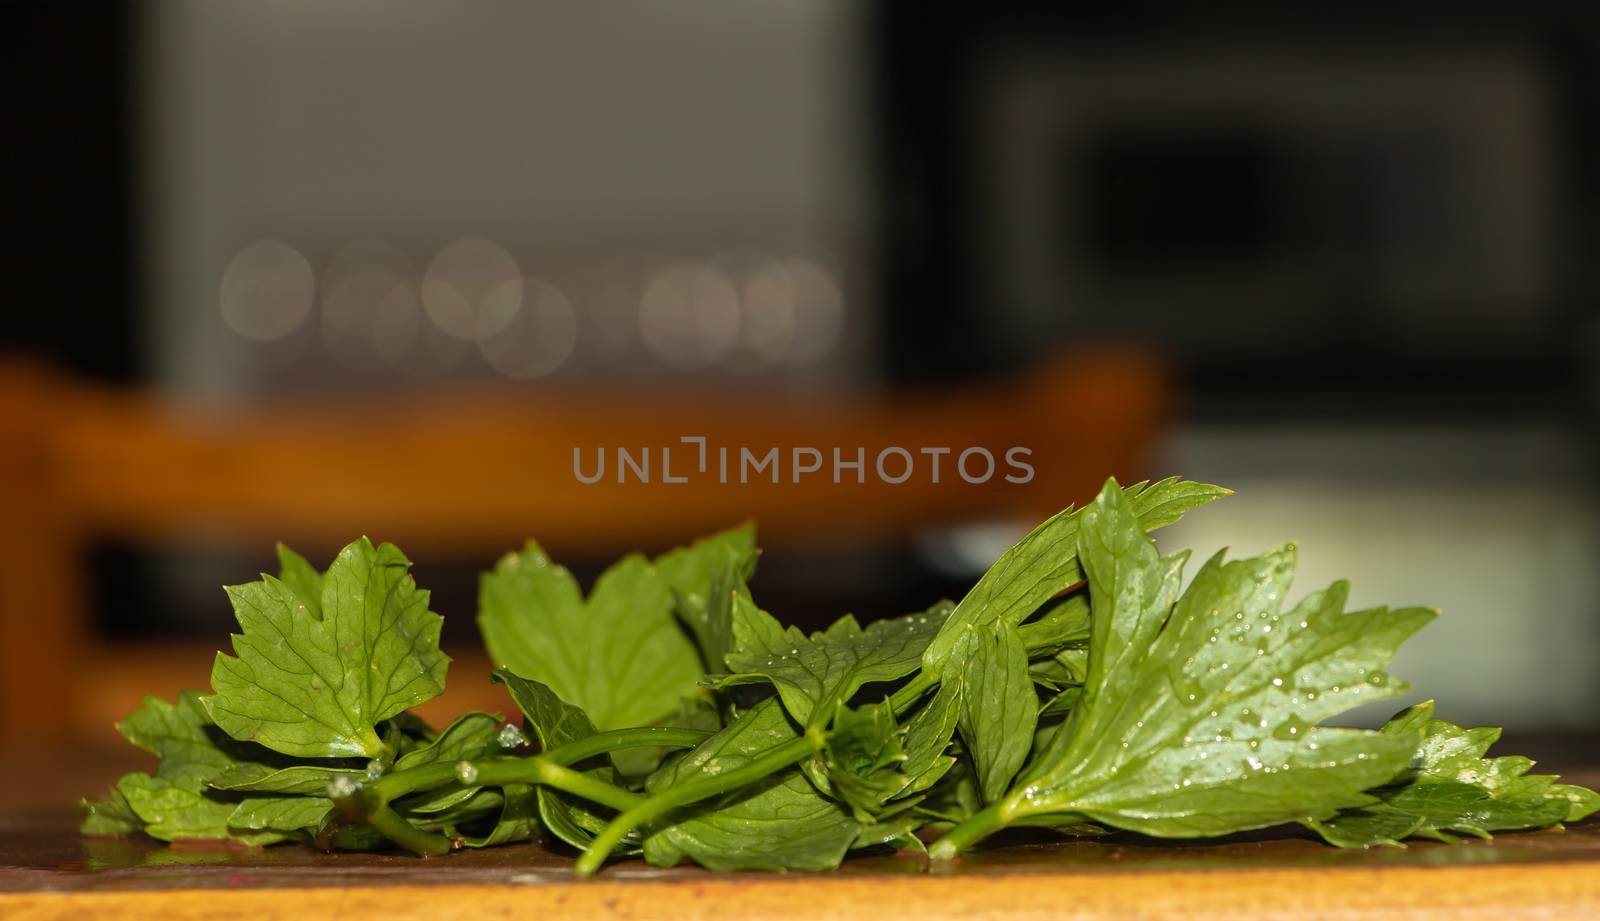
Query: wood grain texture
[
  {"x": 1554, "y": 892},
  {"x": 49, "y": 873}
]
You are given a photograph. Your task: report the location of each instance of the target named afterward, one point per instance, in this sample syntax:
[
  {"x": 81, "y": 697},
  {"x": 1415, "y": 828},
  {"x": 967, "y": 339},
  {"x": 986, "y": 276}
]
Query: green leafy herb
[
  {"x": 813, "y": 674},
  {"x": 1045, "y": 562},
  {"x": 1199, "y": 714},
  {"x": 556, "y": 723},
  {"x": 315, "y": 683},
  {"x": 998, "y": 708},
  {"x": 1450, "y": 787},
  {"x": 779, "y": 822},
  {"x": 860, "y": 764},
  {"x": 1077, "y": 687},
  {"x": 176, "y": 802},
  {"x": 620, "y": 655},
  {"x": 700, "y": 577}
]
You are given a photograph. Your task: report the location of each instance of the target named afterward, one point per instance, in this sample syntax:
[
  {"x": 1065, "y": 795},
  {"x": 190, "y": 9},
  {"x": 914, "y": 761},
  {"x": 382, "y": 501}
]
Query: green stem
[
  {"x": 393, "y": 786},
  {"x": 704, "y": 787},
  {"x": 980, "y": 825},
  {"x": 390, "y": 824},
  {"x": 545, "y": 772},
  {"x": 911, "y": 691},
  {"x": 549, "y": 769}
]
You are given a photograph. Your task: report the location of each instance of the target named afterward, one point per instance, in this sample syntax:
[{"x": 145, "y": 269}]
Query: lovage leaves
[
  {"x": 1451, "y": 788},
  {"x": 1199, "y": 714},
  {"x": 813, "y": 674},
  {"x": 175, "y": 802},
  {"x": 620, "y": 655},
  {"x": 314, "y": 683},
  {"x": 556, "y": 723},
  {"x": 998, "y": 706},
  {"x": 700, "y": 576},
  {"x": 780, "y": 822},
  {"x": 1045, "y": 562},
  {"x": 1077, "y": 687}
]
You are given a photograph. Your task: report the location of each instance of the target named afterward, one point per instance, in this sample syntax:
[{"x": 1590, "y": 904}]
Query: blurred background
[{"x": 304, "y": 270}]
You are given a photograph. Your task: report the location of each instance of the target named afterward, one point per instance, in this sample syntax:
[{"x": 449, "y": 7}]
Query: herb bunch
[{"x": 1077, "y": 687}]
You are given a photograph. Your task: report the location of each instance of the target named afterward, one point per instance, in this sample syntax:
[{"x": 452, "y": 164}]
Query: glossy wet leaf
[
  {"x": 1199, "y": 714},
  {"x": 1064, "y": 623},
  {"x": 316, "y": 686},
  {"x": 928, "y": 734},
  {"x": 1045, "y": 562},
  {"x": 517, "y": 820}
]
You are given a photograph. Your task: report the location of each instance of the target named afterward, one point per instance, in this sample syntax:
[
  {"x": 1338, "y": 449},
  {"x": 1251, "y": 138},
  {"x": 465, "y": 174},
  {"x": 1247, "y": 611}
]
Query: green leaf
[
  {"x": 1062, "y": 703},
  {"x": 778, "y": 823},
  {"x": 555, "y": 723},
  {"x": 302, "y": 578},
  {"x": 110, "y": 816},
  {"x": 176, "y": 802},
  {"x": 281, "y": 813},
  {"x": 518, "y": 819},
  {"x": 182, "y": 736},
  {"x": 620, "y": 656},
  {"x": 927, "y": 739},
  {"x": 1064, "y": 623},
  {"x": 1045, "y": 562},
  {"x": 861, "y": 760},
  {"x": 1451, "y": 787},
  {"x": 998, "y": 706},
  {"x": 700, "y": 577},
  {"x": 299, "y": 779},
  {"x": 696, "y": 713},
  {"x": 1199, "y": 715},
  {"x": 898, "y": 832},
  {"x": 814, "y": 674},
  {"x": 1366, "y": 827},
  {"x": 315, "y": 686},
  {"x": 171, "y": 811},
  {"x": 954, "y": 798},
  {"x": 469, "y": 737}
]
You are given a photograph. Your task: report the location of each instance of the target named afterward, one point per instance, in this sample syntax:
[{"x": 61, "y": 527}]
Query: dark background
[{"x": 1364, "y": 239}]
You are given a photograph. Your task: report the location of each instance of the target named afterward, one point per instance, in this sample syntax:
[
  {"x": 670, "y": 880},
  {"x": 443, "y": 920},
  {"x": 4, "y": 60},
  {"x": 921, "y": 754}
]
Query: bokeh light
[
  {"x": 539, "y": 338},
  {"x": 689, "y": 315},
  {"x": 768, "y": 321},
  {"x": 419, "y": 349},
  {"x": 472, "y": 289},
  {"x": 396, "y": 324},
  {"x": 267, "y": 291},
  {"x": 354, "y": 285},
  {"x": 819, "y": 311}
]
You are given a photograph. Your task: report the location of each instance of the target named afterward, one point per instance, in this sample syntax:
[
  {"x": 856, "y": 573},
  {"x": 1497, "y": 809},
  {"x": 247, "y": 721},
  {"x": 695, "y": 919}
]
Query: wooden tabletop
[{"x": 47, "y": 871}]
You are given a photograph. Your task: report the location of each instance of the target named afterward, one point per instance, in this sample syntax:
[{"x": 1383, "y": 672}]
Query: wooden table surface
[{"x": 48, "y": 871}]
